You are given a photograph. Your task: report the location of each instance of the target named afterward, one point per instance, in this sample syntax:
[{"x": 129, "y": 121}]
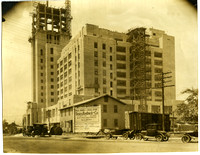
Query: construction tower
[
  {"x": 51, "y": 31},
  {"x": 140, "y": 67}
]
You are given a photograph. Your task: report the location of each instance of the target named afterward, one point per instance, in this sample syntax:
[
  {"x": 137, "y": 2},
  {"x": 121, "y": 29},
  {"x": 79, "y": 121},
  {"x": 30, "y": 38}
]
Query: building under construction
[{"x": 51, "y": 31}]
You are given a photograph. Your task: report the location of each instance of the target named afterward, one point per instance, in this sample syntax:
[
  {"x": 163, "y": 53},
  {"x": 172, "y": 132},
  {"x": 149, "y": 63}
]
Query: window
[
  {"x": 52, "y": 73},
  {"x": 115, "y": 122},
  {"x": 65, "y": 74},
  {"x": 41, "y": 67},
  {"x": 158, "y": 70},
  {"x": 41, "y": 87},
  {"x": 158, "y": 62},
  {"x": 52, "y": 100},
  {"x": 121, "y": 66},
  {"x": 121, "y": 57},
  {"x": 51, "y": 50},
  {"x": 121, "y": 49},
  {"x": 61, "y": 70},
  {"x": 96, "y": 72},
  {"x": 158, "y": 93},
  {"x": 70, "y": 71},
  {"x": 155, "y": 109},
  {"x": 104, "y": 81},
  {"x": 115, "y": 109},
  {"x": 121, "y": 74},
  {"x": 52, "y": 79},
  {"x": 111, "y": 92},
  {"x": 69, "y": 63},
  {"x": 52, "y": 86},
  {"x": 41, "y": 52},
  {"x": 111, "y": 75},
  {"x": 103, "y": 46},
  {"x": 104, "y": 63},
  {"x": 121, "y": 91},
  {"x": 51, "y": 66},
  {"x": 110, "y": 49},
  {"x": 104, "y": 90},
  {"x": 95, "y": 45},
  {"x": 104, "y": 55},
  {"x": 110, "y": 58},
  {"x": 158, "y": 77},
  {"x": 51, "y": 59},
  {"x": 41, "y": 81},
  {"x": 96, "y": 90},
  {"x": 41, "y": 74},
  {"x": 111, "y": 84},
  {"x": 69, "y": 55},
  {"x": 41, "y": 100},
  {"x": 41, "y": 94},
  {"x": 105, "y": 122},
  {"x": 65, "y": 67},
  {"x": 121, "y": 83},
  {"x": 96, "y": 62},
  {"x": 95, "y": 54},
  {"x": 105, "y": 108},
  {"x": 41, "y": 60},
  {"x": 52, "y": 93},
  {"x": 111, "y": 67},
  {"x": 65, "y": 59},
  {"x": 104, "y": 72},
  {"x": 61, "y": 63},
  {"x": 157, "y": 54}
]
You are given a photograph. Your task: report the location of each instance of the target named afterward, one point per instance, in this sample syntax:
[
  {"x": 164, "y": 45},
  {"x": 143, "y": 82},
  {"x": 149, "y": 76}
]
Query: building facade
[
  {"x": 50, "y": 33},
  {"x": 126, "y": 66}
]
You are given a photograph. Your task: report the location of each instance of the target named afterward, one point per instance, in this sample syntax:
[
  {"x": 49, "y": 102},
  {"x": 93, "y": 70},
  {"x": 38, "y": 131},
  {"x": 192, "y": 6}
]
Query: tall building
[
  {"x": 126, "y": 66},
  {"x": 51, "y": 31},
  {"x": 95, "y": 62}
]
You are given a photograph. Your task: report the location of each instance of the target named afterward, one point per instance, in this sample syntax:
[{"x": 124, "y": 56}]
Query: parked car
[
  {"x": 154, "y": 131},
  {"x": 40, "y": 130}
]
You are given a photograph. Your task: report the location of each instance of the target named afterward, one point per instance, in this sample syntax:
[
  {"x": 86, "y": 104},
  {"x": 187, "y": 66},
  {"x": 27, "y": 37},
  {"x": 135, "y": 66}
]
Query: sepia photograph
[{"x": 99, "y": 76}]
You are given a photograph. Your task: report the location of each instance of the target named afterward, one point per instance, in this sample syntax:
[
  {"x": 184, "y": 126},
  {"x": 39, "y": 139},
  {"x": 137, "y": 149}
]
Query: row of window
[{"x": 105, "y": 108}]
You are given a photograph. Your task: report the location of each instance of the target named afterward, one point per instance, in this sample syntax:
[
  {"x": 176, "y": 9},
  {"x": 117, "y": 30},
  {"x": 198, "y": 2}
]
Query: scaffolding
[
  {"x": 52, "y": 20},
  {"x": 140, "y": 67}
]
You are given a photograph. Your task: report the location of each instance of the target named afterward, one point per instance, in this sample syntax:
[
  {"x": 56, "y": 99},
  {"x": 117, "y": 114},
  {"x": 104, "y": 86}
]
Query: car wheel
[
  {"x": 186, "y": 139},
  {"x": 139, "y": 137},
  {"x": 159, "y": 138},
  {"x": 125, "y": 136},
  {"x": 165, "y": 138},
  {"x": 108, "y": 136}
]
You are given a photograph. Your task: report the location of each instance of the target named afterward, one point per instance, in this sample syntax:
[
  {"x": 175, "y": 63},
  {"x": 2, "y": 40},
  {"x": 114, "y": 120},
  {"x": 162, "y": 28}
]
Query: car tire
[
  {"x": 125, "y": 136},
  {"x": 139, "y": 137},
  {"x": 108, "y": 136},
  {"x": 186, "y": 139},
  {"x": 159, "y": 138}
]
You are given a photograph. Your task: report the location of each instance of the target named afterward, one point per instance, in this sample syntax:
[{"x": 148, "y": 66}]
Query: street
[{"x": 19, "y": 144}]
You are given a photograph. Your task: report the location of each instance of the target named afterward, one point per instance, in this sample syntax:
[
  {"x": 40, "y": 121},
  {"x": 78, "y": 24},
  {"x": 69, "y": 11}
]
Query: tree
[{"x": 188, "y": 110}]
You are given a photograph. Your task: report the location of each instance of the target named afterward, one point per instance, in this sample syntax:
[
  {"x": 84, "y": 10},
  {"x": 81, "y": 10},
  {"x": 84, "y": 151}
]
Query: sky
[{"x": 176, "y": 17}]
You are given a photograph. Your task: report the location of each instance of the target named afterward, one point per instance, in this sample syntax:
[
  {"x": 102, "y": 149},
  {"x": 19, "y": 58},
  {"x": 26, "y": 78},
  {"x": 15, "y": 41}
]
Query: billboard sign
[{"x": 87, "y": 119}]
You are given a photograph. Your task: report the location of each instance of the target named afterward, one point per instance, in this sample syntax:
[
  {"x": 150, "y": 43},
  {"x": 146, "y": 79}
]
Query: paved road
[{"x": 14, "y": 144}]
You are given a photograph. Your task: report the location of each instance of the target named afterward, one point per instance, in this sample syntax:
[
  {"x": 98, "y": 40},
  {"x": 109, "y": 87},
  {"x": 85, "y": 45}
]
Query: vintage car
[
  {"x": 187, "y": 137},
  {"x": 154, "y": 131},
  {"x": 40, "y": 130}
]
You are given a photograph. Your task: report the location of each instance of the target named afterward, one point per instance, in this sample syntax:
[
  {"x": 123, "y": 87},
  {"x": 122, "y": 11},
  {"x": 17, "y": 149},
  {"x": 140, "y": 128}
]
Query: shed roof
[{"x": 93, "y": 99}]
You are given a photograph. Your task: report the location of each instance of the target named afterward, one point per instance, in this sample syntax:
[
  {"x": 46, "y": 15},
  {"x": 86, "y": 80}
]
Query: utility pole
[{"x": 163, "y": 95}]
